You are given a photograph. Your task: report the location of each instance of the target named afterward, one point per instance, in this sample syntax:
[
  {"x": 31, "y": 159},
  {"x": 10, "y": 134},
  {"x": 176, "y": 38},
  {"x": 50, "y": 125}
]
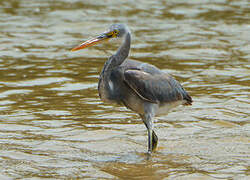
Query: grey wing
[{"x": 155, "y": 88}]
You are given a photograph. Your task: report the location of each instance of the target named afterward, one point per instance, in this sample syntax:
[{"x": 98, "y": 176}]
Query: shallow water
[{"x": 53, "y": 124}]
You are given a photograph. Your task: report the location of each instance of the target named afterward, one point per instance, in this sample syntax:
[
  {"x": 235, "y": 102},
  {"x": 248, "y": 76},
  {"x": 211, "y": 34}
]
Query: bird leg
[
  {"x": 150, "y": 141},
  {"x": 152, "y": 137},
  {"x": 154, "y": 141}
]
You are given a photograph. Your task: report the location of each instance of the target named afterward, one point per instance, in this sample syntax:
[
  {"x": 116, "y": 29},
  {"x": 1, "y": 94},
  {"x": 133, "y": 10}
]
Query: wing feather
[{"x": 155, "y": 88}]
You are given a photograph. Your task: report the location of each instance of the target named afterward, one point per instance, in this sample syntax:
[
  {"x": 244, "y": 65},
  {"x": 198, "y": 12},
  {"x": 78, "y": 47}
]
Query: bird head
[
  {"x": 119, "y": 29},
  {"x": 114, "y": 31}
]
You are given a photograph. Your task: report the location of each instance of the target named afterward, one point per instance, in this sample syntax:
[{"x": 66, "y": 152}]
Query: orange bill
[{"x": 91, "y": 42}]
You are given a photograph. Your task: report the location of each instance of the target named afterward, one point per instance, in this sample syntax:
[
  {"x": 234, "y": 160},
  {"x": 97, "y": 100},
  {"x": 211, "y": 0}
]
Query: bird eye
[{"x": 116, "y": 31}]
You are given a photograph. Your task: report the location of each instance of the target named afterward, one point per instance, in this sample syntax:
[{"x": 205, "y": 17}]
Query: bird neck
[
  {"x": 123, "y": 51},
  {"x": 114, "y": 61},
  {"x": 120, "y": 56}
]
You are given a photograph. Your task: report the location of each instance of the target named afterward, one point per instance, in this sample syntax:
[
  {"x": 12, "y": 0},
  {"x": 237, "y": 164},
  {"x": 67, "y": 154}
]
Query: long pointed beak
[{"x": 91, "y": 42}]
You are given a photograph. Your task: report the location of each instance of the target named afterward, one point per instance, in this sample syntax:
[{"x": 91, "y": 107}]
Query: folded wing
[{"x": 155, "y": 88}]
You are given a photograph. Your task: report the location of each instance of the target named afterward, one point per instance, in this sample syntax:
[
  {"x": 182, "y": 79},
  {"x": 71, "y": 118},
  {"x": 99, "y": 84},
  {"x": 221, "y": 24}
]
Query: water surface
[{"x": 53, "y": 124}]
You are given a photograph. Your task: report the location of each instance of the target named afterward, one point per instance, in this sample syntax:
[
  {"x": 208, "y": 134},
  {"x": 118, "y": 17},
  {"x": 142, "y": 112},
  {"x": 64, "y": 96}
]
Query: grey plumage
[{"x": 141, "y": 87}]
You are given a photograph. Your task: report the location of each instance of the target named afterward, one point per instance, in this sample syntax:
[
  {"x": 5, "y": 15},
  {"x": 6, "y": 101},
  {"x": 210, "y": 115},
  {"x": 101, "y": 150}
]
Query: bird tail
[{"x": 188, "y": 99}]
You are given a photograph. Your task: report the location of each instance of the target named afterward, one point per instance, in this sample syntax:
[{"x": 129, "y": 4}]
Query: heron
[{"x": 141, "y": 87}]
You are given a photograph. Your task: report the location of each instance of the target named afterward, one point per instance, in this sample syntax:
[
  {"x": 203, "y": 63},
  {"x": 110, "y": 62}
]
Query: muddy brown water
[{"x": 53, "y": 124}]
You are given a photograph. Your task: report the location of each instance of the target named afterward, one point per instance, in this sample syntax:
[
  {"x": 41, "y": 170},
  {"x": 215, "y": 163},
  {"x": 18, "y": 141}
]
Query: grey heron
[{"x": 141, "y": 87}]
